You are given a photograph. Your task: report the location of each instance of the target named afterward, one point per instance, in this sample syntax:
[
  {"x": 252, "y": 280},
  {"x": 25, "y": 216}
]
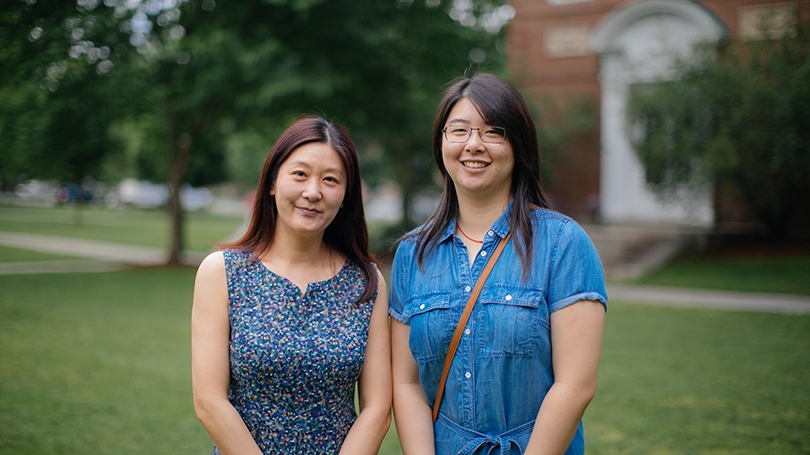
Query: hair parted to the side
[
  {"x": 499, "y": 104},
  {"x": 348, "y": 232}
]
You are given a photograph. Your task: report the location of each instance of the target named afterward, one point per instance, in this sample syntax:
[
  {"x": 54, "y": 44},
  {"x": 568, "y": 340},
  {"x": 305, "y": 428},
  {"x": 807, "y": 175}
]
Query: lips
[
  {"x": 475, "y": 164},
  {"x": 309, "y": 211}
]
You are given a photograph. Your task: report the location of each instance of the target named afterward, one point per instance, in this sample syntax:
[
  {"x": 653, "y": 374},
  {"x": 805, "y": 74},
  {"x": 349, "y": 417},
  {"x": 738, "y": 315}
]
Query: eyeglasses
[{"x": 488, "y": 134}]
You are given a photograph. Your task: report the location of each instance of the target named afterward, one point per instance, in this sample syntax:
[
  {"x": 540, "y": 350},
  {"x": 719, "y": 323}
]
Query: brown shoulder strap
[{"x": 462, "y": 322}]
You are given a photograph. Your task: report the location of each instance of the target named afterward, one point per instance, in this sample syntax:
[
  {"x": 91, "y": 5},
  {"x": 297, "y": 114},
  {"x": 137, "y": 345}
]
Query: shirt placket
[{"x": 466, "y": 358}]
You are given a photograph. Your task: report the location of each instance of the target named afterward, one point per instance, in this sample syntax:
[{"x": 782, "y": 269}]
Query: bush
[{"x": 740, "y": 120}]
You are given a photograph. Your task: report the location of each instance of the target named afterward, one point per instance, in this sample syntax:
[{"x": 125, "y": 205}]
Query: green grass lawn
[
  {"x": 686, "y": 381},
  {"x": 99, "y": 363},
  {"x": 10, "y": 254},
  {"x": 778, "y": 273},
  {"x": 135, "y": 227}
]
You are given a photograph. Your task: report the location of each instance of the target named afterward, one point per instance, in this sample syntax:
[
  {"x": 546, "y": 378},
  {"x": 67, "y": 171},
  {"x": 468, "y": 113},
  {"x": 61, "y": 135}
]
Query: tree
[
  {"x": 195, "y": 71},
  {"x": 53, "y": 108},
  {"x": 741, "y": 120}
]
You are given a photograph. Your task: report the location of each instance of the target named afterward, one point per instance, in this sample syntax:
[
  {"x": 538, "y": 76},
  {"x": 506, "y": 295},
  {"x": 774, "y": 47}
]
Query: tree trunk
[
  {"x": 405, "y": 180},
  {"x": 180, "y": 160},
  {"x": 184, "y": 136}
]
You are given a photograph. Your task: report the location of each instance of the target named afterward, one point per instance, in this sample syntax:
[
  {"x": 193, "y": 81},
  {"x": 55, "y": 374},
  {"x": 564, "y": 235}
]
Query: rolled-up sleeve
[
  {"x": 576, "y": 272},
  {"x": 399, "y": 277}
]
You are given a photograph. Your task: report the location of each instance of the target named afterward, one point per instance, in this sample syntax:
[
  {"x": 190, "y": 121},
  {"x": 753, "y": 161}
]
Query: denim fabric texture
[{"x": 502, "y": 370}]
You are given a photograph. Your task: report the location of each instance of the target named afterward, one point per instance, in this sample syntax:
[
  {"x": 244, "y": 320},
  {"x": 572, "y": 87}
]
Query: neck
[
  {"x": 302, "y": 260},
  {"x": 476, "y": 215},
  {"x": 296, "y": 249}
]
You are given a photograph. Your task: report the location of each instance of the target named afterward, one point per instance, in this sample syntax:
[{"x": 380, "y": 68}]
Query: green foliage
[
  {"x": 562, "y": 126},
  {"x": 53, "y": 108},
  {"x": 742, "y": 119},
  {"x": 250, "y": 67},
  {"x": 201, "y": 80}
]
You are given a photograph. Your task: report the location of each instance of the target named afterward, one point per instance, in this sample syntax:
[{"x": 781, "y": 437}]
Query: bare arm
[
  {"x": 374, "y": 419},
  {"x": 210, "y": 362},
  {"x": 576, "y": 341},
  {"x": 412, "y": 412}
]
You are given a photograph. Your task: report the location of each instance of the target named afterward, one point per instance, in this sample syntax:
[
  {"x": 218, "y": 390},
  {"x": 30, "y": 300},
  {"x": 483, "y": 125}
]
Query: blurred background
[
  {"x": 680, "y": 118},
  {"x": 133, "y": 132}
]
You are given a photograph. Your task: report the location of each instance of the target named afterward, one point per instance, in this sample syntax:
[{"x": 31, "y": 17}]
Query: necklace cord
[{"x": 468, "y": 237}]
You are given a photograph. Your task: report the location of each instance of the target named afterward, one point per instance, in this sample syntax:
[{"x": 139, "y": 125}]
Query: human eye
[
  {"x": 457, "y": 131},
  {"x": 494, "y": 133}
]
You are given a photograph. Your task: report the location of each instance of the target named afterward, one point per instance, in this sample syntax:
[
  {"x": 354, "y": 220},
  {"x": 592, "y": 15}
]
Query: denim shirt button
[
  {"x": 422, "y": 306},
  {"x": 468, "y": 375},
  {"x": 508, "y": 297},
  {"x": 483, "y": 253},
  {"x": 467, "y": 332},
  {"x": 490, "y": 233},
  {"x": 467, "y": 288}
]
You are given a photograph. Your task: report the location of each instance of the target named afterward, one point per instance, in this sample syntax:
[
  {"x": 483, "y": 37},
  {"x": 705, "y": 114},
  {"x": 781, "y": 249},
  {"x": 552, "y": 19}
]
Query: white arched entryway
[{"x": 639, "y": 43}]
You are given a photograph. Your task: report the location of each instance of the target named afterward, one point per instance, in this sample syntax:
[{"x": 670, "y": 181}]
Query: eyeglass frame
[{"x": 469, "y": 135}]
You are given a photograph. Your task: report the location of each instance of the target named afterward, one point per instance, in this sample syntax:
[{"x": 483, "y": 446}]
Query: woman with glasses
[
  {"x": 525, "y": 365},
  {"x": 287, "y": 319}
]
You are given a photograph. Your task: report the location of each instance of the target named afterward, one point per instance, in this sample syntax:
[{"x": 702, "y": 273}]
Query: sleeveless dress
[{"x": 295, "y": 358}]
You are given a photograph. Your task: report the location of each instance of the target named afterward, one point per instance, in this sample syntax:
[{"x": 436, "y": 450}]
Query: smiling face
[
  {"x": 477, "y": 168},
  {"x": 309, "y": 190}
]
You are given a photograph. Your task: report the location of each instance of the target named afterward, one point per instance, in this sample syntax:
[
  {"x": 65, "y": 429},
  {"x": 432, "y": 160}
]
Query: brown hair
[{"x": 347, "y": 233}]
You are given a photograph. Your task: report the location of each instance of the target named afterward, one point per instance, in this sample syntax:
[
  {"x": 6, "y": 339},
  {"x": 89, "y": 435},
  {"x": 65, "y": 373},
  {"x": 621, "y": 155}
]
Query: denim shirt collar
[{"x": 500, "y": 226}]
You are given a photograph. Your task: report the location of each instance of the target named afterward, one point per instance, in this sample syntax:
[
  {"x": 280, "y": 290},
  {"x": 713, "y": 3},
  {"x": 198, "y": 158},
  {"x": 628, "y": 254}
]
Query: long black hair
[{"x": 499, "y": 104}]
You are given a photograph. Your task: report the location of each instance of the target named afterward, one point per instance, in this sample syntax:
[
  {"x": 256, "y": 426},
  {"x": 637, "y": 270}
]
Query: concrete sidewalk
[
  {"x": 705, "y": 298},
  {"x": 105, "y": 256},
  {"x": 97, "y": 252}
]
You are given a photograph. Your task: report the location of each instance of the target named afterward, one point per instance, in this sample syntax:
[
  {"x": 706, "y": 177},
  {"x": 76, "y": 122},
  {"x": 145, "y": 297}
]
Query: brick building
[{"x": 597, "y": 49}]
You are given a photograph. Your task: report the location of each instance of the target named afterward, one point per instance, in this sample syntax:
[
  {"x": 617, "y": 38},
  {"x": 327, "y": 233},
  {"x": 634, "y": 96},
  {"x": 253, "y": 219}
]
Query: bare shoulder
[
  {"x": 212, "y": 265},
  {"x": 211, "y": 277}
]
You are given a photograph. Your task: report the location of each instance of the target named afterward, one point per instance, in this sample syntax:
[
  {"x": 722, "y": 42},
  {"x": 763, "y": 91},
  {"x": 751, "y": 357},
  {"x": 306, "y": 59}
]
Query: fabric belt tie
[{"x": 494, "y": 445}]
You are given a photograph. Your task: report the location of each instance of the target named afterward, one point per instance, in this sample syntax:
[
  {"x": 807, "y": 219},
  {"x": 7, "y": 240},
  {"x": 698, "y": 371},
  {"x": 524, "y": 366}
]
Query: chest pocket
[
  {"x": 512, "y": 320},
  {"x": 431, "y": 325}
]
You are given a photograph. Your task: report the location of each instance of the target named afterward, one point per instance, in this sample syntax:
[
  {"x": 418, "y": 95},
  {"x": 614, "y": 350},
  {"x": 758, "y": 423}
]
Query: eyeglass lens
[{"x": 491, "y": 134}]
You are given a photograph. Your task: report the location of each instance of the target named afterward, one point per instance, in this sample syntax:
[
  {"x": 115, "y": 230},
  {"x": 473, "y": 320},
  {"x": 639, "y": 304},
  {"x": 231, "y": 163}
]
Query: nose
[
  {"x": 474, "y": 143},
  {"x": 312, "y": 190}
]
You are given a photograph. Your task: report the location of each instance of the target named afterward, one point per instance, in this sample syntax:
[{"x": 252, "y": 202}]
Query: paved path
[
  {"x": 95, "y": 252},
  {"x": 104, "y": 256},
  {"x": 704, "y": 298}
]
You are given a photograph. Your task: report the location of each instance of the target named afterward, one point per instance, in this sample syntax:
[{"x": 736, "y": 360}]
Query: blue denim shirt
[{"x": 502, "y": 370}]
